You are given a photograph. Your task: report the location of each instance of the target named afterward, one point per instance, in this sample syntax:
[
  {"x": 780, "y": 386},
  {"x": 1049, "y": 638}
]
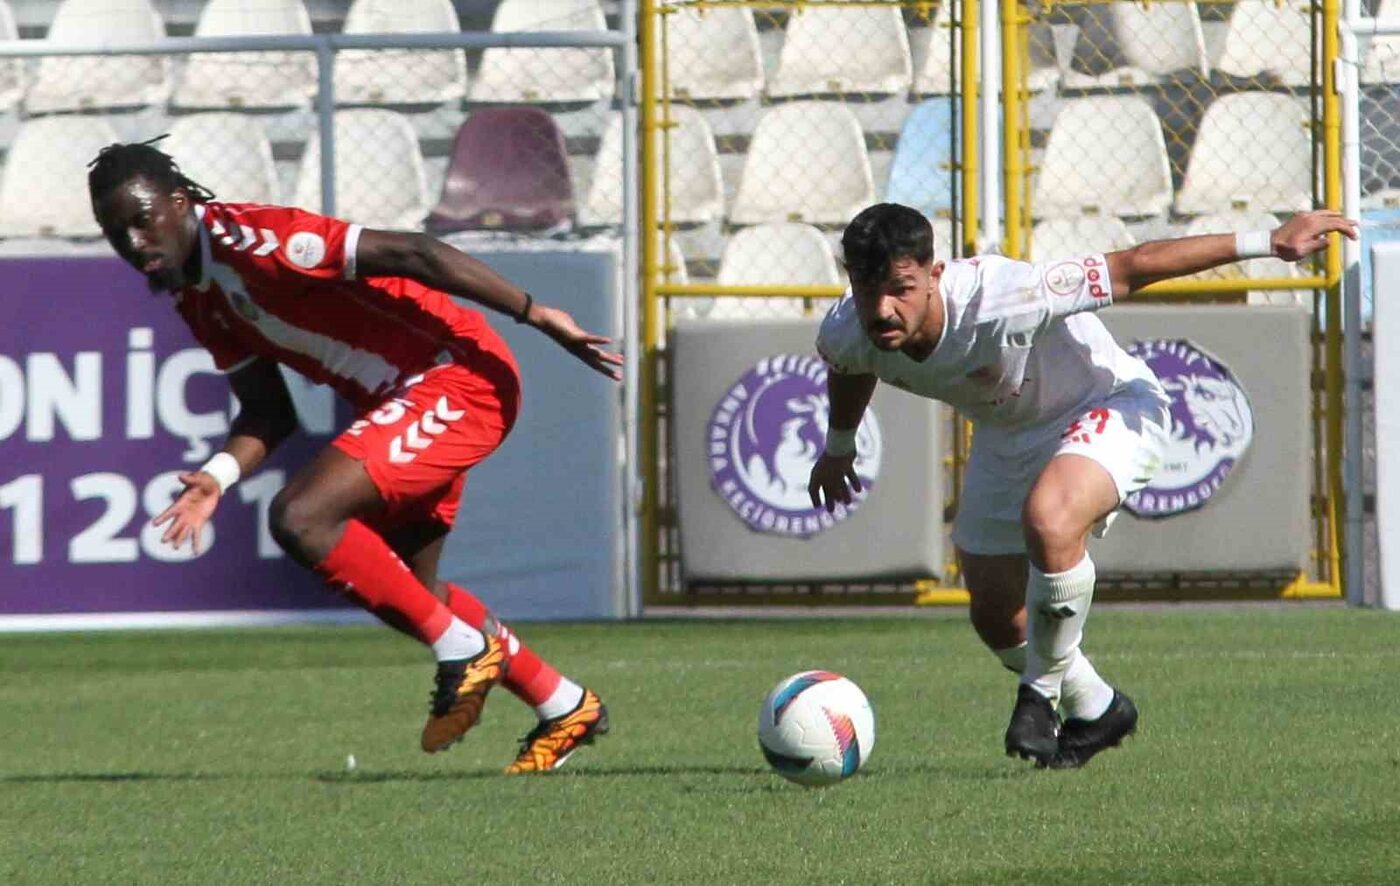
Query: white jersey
[{"x": 1018, "y": 349}]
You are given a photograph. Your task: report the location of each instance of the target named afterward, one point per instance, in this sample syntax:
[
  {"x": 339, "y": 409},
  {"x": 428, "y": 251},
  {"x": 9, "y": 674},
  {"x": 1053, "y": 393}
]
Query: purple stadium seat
[{"x": 508, "y": 171}]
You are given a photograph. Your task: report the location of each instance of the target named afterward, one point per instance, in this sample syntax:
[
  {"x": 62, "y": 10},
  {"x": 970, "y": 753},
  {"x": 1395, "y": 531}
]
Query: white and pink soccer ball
[{"x": 816, "y": 728}]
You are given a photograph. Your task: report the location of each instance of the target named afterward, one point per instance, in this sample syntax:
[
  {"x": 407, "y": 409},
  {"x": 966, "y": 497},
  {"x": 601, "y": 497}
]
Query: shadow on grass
[
  {"x": 974, "y": 773},
  {"x": 116, "y": 777}
]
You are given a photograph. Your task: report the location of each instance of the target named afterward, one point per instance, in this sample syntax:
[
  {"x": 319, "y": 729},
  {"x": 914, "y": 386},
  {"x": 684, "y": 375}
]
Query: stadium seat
[
  {"x": 227, "y": 153},
  {"x": 1252, "y": 153},
  {"x": 12, "y": 73},
  {"x": 936, "y": 75},
  {"x": 509, "y": 75},
  {"x": 378, "y": 170},
  {"x": 509, "y": 171},
  {"x": 696, "y": 189},
  {"x": 1127, "y": 45},
  {"x": 43, "y": 191},
  {"x": 1254, "y": 269},
  {"x": 248, "y": 79},
  {"x": 1069, "y": 237},
  {"x": 807, "y": 162},
  {"x": 1382, "y": 61},
  {"x": 1269, "y": 40},
  {"x": 843, "y": 50},
  {"x": 400, "y": 76},
  {"x": 781, "y": 254},
  {"x": 1106, "y": 155},
  {"x": 80, "y": 83},
  {"x": 921, "y": 174},
  {"x": 1377, "y": 226},
  {"x": 714, "y": 54}
]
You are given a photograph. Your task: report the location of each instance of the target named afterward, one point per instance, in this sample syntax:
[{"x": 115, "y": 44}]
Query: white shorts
[{"x": 1126, "y": 433}]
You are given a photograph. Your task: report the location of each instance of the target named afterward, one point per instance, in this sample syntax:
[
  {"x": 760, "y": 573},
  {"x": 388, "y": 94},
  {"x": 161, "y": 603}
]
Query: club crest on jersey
[
  {"x": 763, "y": 438},
  {"x": 1065, "y": 278},
  {"x": 305, "y": 249},
  {"x": 1212, "y": 427}
]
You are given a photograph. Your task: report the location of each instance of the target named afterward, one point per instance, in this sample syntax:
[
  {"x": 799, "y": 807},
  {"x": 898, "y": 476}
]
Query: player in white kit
[{"x": 1066, "y": 425}]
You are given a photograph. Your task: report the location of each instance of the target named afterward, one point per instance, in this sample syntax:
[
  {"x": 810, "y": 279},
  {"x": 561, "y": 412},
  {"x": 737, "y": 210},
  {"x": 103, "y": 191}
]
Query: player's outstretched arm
[
  {"x": 1301, "y": 236},
  {"x": 848, "y": 396},
  {"x": 434, "y": 263},
  {"x": 265, "y": 418}
]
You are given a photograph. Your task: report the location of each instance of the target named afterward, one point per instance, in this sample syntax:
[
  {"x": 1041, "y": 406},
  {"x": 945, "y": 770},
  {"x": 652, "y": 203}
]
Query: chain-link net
[
  {"x": 521, "y": 140},
  {"x": 1149, "y": 120},
  {"x": 779, "y": 122}
]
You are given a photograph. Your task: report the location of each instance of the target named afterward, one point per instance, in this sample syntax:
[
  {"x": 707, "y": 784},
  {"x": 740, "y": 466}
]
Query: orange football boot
[
  {"x": 461, "y": 694},
  {"x": 549, "y": 744}
]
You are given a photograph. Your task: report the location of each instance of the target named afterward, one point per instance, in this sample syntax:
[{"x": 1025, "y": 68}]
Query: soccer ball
[{"x": 816, "y": 728}]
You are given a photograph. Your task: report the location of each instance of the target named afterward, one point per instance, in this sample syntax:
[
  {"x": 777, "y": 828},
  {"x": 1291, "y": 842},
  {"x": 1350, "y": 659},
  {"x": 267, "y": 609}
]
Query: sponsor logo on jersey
[
  {"x": 305, "y": 249},
  {"x": 763, "y": 438},
  {"x": 1212, "y": 427}
]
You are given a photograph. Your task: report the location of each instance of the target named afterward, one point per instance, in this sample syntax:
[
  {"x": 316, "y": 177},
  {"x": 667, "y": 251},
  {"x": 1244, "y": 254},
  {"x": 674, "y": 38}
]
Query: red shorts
[{"x": 420, "y": 441}]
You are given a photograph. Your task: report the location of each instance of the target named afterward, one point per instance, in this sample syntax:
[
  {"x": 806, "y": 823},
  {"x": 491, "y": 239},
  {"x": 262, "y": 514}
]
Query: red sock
[
  {"x": 363, "y": 567},
  {"x": 529, "y": 677}
]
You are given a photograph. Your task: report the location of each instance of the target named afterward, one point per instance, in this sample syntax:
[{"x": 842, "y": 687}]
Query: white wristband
[
  {"x": 1254, "y": 244},
  {"x": 224, "y": 469},
  {"x": 841, "y": 441}
]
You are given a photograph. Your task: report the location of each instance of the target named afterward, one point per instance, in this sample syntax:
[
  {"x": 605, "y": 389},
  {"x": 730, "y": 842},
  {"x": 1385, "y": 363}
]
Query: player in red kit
[{"x": 437, "y": 390}]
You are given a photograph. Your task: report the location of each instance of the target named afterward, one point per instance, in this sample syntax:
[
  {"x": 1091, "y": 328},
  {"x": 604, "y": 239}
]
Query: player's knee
[
  {"x": 1050, "y": 523},
  {"x": 296, "y": 523}
]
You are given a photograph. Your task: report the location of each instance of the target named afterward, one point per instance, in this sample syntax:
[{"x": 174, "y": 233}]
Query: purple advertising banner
[{"x": 104, "y": 399}]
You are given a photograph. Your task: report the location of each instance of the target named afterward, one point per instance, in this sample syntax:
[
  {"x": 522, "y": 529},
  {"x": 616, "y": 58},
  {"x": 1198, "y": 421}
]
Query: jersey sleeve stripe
[
  {"x": 241, "y": 364},
  {"x": 352, "y": 243}
]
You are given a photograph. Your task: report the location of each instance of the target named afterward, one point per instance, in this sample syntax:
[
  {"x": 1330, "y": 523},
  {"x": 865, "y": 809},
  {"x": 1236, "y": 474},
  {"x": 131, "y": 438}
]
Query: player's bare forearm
[
  {"x": 1301, "y": 236},
  {"x": 439, "y": 266},
  {"x": 849, "y": 395}
]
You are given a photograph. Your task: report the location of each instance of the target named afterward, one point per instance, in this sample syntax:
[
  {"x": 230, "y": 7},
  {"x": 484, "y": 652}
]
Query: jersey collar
[{"x": 204, "y": 254}]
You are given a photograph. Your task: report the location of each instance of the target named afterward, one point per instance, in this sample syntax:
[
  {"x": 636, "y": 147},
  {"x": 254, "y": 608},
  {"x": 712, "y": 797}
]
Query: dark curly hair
[
  {"x": 117, "y": 164},
  {"x": 881, "y": 234}
]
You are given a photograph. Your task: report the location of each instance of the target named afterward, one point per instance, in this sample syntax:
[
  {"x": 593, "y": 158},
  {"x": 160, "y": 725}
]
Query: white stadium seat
[
  {"x": 843, "y": 50},
  {"x": 1151, "y": 40},
  {"x": 380, "y": 181},
  {"x": 1255, "y": 269},
  {"x": 696, "y": 189},
  {"x": 781, "y": 254},
  {"x": 1382, "y": 61},
  {"x": 1106, "y": 155},
  {"x": 12, "y": 75},
  {"x": 248, "y": 79},
  {"x": 714, "y": 53},
  {"x": 400, "y": 76},
  {"x": 807, "y": 162},
  {"x": 936, "y": 75},
  {"x": 559, "y": 75},
  {"x": 227, "y": 153},
  {"x": 1269, "y": 39},
  {"x": 1252, "y": 153},
  {"x": 1070, "y": 237},
  {"x": 43, "y": 191},
  {"x": 74, "y": 83}
]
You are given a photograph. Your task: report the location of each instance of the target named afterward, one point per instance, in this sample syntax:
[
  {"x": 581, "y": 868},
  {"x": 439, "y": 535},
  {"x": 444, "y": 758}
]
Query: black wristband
[{"x": 524, "y": 314}]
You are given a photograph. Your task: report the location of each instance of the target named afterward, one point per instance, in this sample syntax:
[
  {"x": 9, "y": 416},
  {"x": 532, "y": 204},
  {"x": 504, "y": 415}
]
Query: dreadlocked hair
[{"x": 117, "y": 164}]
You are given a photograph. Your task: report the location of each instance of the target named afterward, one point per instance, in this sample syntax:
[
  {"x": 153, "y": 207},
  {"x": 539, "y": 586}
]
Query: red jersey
[{"x": 280, "y": 283}]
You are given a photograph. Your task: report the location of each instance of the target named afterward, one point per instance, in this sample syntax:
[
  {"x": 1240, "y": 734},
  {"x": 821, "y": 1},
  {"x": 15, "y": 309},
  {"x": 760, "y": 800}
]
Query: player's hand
[
  {"x": 191, "y": 509},
  {"x": 584, "y": 345},
  {"x": 1306, "y": 233},
  {"x": 830, "y": 475}
]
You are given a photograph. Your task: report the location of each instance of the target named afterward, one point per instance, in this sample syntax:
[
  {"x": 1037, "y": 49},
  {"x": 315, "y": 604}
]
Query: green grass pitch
[{"x": 1269, "y": 752}]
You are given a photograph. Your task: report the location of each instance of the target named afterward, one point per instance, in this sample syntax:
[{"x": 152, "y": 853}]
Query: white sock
[
  {"x": 1013, "y": 658},
  {"x": 1084, "y": 695},
  {"x": 1057, "y": 605},
  {"x": 563, "y": 699},
  {"x": 459, "y": 641}
]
